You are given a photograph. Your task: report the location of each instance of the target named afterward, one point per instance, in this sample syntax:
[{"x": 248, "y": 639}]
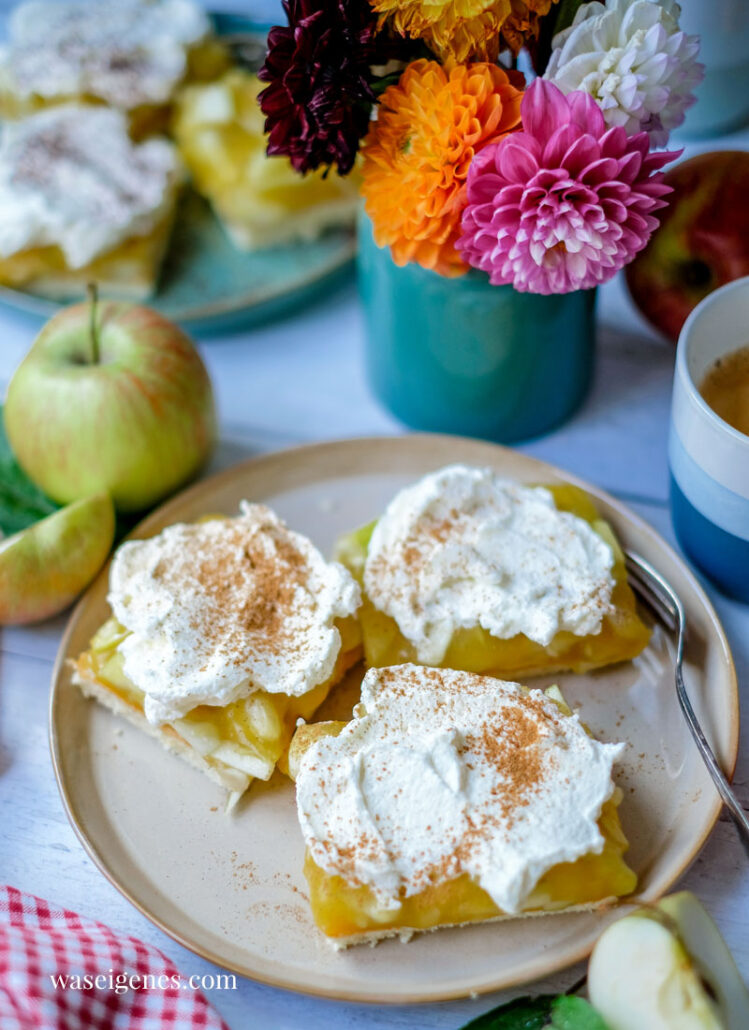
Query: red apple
[
  {"x": 111, "y": 398},
  {"x": 702, "y": 241}
]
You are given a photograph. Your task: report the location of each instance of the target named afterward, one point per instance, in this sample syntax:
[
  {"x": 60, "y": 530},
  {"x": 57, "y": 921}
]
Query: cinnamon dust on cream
[
  {"x": 126, "y": 53},
  {"x": 220, "y": 608},
  {"x": 464, "y": 547},
  {"x": 443, "y": 773},
  {"x": 71, "y": 177}
]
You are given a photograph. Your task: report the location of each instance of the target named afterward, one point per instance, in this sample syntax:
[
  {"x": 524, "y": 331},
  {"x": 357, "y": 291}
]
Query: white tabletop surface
[{"x": 298, "y": 380}]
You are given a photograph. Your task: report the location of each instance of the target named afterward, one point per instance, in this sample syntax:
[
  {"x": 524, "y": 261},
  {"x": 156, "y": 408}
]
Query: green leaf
[
  {"x": 521, "y": 1014},
  {"x": 565, "y": 1012},
  {"x": 22, "y": 503},
  {"x": 572, "y": 1013}
]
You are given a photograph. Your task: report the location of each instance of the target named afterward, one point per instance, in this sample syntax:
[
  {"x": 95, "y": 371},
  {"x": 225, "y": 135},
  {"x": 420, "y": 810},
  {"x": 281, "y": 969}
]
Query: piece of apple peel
[
  {"x": 45, "y": 567},
  {"x": 666, "y": 967}
]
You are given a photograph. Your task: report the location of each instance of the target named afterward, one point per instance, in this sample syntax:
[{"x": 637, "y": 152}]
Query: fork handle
[
  {"x": 732, "y": 803},
  {"x": 741, "y": 827},
  {"x": 658, "y": 593},
  {"x": 735, "y": 809},
  {"x": 727, "y": 794}
]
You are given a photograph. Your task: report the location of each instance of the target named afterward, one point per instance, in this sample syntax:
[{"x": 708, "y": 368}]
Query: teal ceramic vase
[{"x": 462, "y": 356}]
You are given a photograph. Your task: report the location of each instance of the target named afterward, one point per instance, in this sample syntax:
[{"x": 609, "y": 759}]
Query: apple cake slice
[
  {"x": 128, "y": 54},
  {"x": 260, "y": 200},
  {"x": 452, "y": 798},
  {"x": 223, "y": 634},
  {"x": 80, "y": 202},
  {"x": 468, "y": 570}
]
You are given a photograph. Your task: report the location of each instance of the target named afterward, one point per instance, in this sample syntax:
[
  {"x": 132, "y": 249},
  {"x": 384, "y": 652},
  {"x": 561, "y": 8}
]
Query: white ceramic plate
[{"x": 231, "y": 887}]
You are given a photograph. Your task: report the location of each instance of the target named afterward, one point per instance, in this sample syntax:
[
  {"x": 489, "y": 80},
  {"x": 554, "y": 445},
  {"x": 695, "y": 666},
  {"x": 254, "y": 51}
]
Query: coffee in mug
[{"x": 725, "y": 388}]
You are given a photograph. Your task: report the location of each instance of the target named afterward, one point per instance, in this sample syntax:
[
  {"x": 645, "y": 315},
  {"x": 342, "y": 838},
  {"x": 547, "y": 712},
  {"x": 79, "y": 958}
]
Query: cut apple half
[{"x": 667, "y": 967}]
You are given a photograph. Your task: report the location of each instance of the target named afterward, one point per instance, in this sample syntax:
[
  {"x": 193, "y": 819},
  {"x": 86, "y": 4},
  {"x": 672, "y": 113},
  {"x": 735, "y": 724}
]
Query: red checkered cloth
[{"x": 40, "y": 944}]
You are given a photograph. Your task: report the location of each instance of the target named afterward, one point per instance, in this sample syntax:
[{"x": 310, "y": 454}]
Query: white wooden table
[{"x": 300, "y": 380}]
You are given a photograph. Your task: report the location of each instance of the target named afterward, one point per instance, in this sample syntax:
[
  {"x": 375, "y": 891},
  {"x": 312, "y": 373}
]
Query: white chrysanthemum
[{"x": 633, "y": 58}]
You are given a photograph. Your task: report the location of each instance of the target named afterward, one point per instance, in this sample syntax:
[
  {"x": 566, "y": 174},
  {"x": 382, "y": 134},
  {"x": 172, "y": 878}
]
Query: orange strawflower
[
  {"x": 463, "y": 29},
  {"x": 417, "y": 154}
]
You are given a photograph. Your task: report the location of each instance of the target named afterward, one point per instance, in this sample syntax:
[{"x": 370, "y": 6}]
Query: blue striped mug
[{"x": 708, "y": 458}]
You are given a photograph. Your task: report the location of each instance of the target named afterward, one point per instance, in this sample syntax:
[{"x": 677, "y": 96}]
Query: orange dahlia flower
[
  {"x": 463, "y": 29},
  {"x": 417, "y": 154}
]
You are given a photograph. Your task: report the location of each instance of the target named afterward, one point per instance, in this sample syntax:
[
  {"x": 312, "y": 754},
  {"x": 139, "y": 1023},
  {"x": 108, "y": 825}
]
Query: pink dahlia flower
[{"x": 564, "y": 204}]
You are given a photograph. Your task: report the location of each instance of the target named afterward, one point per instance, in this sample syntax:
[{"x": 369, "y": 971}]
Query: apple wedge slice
[
  {"x": 666, "y": 967},
  {"x": 45, "y": 567},
  {"x": 704, "y": 943}
]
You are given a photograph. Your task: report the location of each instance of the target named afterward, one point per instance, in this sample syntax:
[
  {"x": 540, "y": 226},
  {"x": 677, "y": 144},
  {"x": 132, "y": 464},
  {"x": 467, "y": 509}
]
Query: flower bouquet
[{"x": 545, "y": 181}]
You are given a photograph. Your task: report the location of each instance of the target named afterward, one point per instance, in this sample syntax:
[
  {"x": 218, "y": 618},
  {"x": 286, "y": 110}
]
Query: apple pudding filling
[
  {"x": 453, "y": 798},
  {"x": 261, "y": 200},
  {"x": 224, "y": 633},
  {"x": 80, "y": 202},
  {"x": 466, "y": 570}
]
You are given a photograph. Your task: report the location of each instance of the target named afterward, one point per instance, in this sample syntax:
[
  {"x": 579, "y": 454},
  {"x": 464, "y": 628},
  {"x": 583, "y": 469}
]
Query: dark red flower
[{"x": 319, "y": 73}]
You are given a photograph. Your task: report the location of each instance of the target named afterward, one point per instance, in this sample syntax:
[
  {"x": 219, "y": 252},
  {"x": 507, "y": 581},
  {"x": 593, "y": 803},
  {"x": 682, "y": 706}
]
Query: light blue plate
[{"x": 209, "y": 286}]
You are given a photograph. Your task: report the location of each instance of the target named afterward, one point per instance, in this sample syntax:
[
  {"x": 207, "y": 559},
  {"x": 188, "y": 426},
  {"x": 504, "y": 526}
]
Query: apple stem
[{"x": 93, "y": 296}]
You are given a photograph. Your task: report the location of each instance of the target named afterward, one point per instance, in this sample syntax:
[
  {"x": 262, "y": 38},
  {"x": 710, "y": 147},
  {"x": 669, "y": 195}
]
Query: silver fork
[{"x": 658, "y": 594}]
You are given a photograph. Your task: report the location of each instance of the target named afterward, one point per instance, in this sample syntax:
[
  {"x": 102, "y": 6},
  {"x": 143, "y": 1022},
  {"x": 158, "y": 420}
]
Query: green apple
[
  {"x": 45, "y": 567},
  {"x": 666, "y": 967},
  {"x": 111, "y": 398}
]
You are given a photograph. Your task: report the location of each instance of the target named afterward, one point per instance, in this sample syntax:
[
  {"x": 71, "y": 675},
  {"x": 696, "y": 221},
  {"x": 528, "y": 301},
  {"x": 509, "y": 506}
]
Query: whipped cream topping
[
  {"x": 71, "y": 177},
  {"x": 127, "y": 52},
  {"x": 463, "y": 547},
  {"x": 219, "y": 609},
  {"x": 443, "y": 773}
]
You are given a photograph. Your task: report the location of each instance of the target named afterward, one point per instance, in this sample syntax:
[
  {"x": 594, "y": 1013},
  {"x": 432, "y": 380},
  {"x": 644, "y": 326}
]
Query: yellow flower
[
  {"x": 452, "y": 28},
  {"x": 465, "y": 29},
  {"x": 429, "y": 127}
]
